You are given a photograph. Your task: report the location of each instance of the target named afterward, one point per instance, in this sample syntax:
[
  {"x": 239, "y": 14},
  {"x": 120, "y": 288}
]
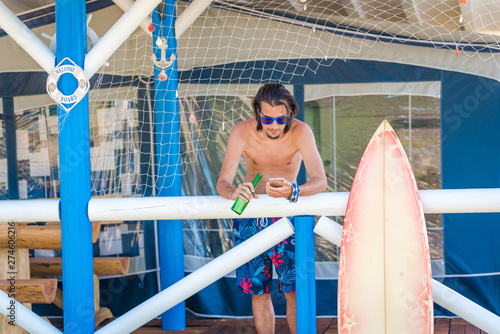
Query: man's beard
[{"x": 268, "y": 136}]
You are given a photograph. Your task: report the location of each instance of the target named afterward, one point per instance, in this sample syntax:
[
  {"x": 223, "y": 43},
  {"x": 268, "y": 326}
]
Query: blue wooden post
[
  {"x": 304, "y": 248},
  {"x": 11, "y": 146},
  {"x": 74, "y": 164},
  {"x": 306, "y": 278},
  {"x": 168, "y": 156}
]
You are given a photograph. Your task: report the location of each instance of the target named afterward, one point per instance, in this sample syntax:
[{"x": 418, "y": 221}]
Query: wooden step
[
  {"x": 38, "y": 291},
  {"x": 46, "y": 236},
  {"x": 103, "y": 266}
]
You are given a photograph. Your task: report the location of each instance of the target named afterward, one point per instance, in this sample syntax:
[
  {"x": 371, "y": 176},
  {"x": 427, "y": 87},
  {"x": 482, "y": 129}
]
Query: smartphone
[{"x": 276, "y": 181}]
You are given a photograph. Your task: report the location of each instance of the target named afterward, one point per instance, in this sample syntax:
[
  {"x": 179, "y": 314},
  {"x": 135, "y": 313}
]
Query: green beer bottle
[{"x": 240, "y": 205}]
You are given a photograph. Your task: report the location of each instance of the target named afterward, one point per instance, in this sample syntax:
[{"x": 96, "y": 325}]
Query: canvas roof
[{"x": 232, "y": 31}]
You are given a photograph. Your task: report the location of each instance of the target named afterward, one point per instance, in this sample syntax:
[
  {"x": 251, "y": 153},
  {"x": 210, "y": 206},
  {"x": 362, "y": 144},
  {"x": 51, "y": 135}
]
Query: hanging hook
[{"x": 161, "y": 10}]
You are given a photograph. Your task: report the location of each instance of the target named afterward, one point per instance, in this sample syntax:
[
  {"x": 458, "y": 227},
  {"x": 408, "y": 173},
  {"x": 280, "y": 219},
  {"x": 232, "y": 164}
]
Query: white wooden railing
[{"x": 211, "y": 207}]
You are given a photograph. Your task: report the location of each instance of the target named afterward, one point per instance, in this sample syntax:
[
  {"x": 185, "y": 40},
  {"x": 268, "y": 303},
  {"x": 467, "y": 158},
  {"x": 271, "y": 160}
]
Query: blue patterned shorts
[{"x": 255, "y": 276}]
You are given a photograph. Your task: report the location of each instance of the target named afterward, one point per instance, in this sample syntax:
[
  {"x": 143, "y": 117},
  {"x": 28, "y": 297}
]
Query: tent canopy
[{"x": 423, "y": 33}]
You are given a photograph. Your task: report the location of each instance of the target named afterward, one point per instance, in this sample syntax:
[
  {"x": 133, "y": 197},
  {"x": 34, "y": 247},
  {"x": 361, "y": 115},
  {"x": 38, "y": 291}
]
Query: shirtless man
[{"x": 273, "y": 143}]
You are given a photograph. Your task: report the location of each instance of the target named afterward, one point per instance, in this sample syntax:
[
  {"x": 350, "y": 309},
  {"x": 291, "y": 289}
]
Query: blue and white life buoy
[{"x": 67, "y": 102}]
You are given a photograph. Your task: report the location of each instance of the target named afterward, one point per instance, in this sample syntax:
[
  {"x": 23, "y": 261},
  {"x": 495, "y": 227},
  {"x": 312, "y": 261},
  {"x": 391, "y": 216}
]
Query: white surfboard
[{"x": 384, "y": 267}]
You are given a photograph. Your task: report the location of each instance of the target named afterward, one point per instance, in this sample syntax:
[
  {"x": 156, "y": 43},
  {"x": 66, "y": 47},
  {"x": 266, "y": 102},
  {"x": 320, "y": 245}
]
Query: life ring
[{"x": 67, "y": 100}]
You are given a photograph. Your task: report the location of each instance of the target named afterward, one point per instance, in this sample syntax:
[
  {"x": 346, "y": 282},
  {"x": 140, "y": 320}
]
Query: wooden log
[
  {"x": 58, "y": 300},
  {"x": 111, "y": 222},
  {"x": 38, "y": 236},
  {"x": 102, "y": 314},
  {"x": 96, "y": 230},
  {"x": 38, "y": 291},
  {"x": 34, "y": 237},
  {"x": 15, "y": 262},
  {"x": 103, "y": 266},
  {"x": 97, "y": 292}
]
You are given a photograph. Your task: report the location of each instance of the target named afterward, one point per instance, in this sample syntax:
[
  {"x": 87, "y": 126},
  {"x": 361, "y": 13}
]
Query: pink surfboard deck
[{"x": 384, "y": 267}]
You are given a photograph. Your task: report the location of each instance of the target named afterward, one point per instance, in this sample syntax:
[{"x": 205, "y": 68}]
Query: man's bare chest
[{"x": 271, "y": 155}]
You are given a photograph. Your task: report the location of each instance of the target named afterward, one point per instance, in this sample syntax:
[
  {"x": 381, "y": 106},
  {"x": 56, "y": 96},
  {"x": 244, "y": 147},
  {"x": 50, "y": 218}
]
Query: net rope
[{"x": 236, "y": 45}]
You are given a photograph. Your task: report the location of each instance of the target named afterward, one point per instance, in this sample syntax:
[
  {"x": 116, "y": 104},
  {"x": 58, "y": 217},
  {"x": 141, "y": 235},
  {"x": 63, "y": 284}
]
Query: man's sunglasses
[{"x": 269, "y": 120}]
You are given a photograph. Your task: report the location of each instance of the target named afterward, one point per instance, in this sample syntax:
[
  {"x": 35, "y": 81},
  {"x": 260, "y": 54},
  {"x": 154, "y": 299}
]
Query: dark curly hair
[{"x": 275, "y": 94}]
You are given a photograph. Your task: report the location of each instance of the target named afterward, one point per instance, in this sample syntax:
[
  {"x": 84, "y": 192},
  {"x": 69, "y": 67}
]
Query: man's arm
[
  {"x": 312, "y": 161},
  {"x": 234, "y": 150},
  {"x": 230, "y": 164}
]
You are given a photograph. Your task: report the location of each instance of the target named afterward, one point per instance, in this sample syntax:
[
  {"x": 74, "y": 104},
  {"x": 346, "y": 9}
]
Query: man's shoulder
[
  {"x": 300, "y": 128},
  {"x": 244, "y": 127}
]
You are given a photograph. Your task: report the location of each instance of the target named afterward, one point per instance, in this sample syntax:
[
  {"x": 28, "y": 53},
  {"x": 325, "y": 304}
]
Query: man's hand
[
  {"x": 284, "y": 191},
  {"x": 245, "y": 191}
]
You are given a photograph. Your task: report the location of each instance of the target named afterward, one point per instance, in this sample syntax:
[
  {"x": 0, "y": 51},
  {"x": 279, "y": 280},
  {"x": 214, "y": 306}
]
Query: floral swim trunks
[{"x": 255, "y": 276}]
